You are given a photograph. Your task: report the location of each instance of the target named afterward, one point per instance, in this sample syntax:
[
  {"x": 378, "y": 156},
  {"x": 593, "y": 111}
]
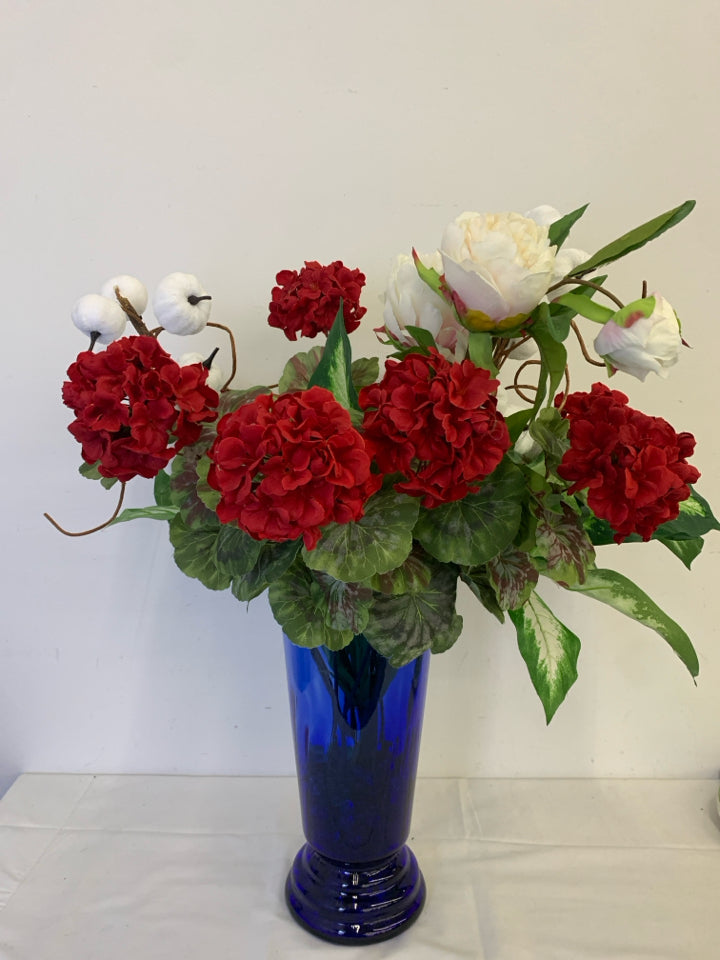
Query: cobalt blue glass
[{"x": 357, "y": 724}]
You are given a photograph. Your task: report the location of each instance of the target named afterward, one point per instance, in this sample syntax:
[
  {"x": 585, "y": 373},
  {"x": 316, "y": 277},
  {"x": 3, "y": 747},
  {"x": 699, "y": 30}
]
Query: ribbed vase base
[{"x": 355, "y": 903}]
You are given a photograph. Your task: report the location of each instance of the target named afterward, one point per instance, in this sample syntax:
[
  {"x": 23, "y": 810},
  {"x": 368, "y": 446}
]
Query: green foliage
[
  {"x": 334, "y": 371},
  {"x": 273, "y": 560},
  {"x": 550, "y": 651},
  {"x": 585, "y": 307},
  {"x": 553, "y": 357},
  {"x": 300, "y": 605},
  {"x": 480, "y": 350},
  {"x": 558, "y": 232}
]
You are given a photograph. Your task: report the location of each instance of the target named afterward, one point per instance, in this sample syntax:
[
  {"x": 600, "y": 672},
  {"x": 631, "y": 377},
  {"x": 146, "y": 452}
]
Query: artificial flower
[
  {"x": 102, "y": 319},
  {"x": 498, "y": 267},
  {"x": 216, "y": 375},
  {"x": 306, "y": 301},
  {"x": 437, "y": 424},
  {"x": 287, "y": 466},
  {"x": 409, "y": 302},
  {"x": 644, "y": 337},
  {"x": 633, "y": 466},
  {"x": 181, "y": 305}
]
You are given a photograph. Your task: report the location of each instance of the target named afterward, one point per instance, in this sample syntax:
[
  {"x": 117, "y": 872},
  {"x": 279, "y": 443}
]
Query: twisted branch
[
  {"x": 587, "y": 283},
  {"x": 84, "y": 533},
  {"x": 576, "y": 331}
]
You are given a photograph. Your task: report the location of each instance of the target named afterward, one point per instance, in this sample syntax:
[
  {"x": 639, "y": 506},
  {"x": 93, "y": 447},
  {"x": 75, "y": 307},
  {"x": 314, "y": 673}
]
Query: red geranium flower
[
  {"x": 287, "y": 466},
  {"x": 135, "y": 407},
  {"x": 436, "y": 423},
  {"x": 633, "y": 466},
  {"x": 306, "y": 302}
]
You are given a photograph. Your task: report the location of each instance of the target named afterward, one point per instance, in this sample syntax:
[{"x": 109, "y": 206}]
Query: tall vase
[{"x": 357, "y": 724}]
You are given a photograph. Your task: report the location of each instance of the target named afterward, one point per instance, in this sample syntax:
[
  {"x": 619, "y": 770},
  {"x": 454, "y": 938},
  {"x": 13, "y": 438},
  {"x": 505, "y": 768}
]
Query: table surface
[{"x": 192, "y": 868}]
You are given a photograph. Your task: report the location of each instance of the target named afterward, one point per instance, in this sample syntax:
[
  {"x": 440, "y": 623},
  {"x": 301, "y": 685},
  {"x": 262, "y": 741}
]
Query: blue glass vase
[{"x": 356, "y": 724}]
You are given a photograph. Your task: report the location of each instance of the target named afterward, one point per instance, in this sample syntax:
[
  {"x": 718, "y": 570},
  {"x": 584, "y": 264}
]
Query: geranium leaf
[
  {"x": 471, "y": 531},
  {"x": 617, "y": 591},
  {"x": 272, "y": 562},
  {"x": 377, "y": 543},
  {"x": 404, "y": 626},
  {"x": 301, "y": 608},
  {"x": 235, "y": 550},
  {"x": 550, "y": 429},
  {"x": 209, "y": 496},
  {"x": 365, "y": 371},
  {"x": 550, "y": 651},
  {"x": 231, "y": 400},
  {"x": 348, "y": 604},
  {"x": 298, "y": 370},
  {"x": 184, "y": 492},
  {"x": 478, "y": 581},
  {"x": 558, "y": 232},
  {"x": 195, "y": 554},
  {"x": 636, "y": 238},
  {"x": 161, "y": 489},
  {"x": 562, "y": 545},
  {"x": 412, "y": 576},
  {"x": 513, "y": 576},
  {"x": 334, "y": 372}
]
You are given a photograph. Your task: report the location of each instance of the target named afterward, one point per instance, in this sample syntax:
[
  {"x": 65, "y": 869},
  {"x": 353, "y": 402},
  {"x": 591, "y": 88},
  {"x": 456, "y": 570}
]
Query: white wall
[{"x": 235, "y": 139}]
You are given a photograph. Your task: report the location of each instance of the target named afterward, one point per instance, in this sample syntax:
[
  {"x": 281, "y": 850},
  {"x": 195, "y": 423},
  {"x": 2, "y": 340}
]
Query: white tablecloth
[{"x": 192, "y": 868}]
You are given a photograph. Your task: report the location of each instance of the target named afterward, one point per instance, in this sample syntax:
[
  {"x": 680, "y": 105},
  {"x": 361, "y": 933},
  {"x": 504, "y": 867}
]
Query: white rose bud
[
  {"x": 130, "y": 287},
  {"x": 181, "y": 305},
  {"x": 644, "y": 337},
  {"x": 216, "y": 375},
  {"x": 498, "y": 267},
  {"x": 409, "y": 302},
  {"x": 102, "y": 319}
]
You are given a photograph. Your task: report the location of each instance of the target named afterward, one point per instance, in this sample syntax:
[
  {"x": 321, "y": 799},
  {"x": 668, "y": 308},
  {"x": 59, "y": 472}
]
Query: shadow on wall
[{"x": 6, "y": 781}]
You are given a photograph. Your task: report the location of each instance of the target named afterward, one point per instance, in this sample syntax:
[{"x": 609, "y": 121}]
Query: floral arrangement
[{"x": 360, "y": 497}]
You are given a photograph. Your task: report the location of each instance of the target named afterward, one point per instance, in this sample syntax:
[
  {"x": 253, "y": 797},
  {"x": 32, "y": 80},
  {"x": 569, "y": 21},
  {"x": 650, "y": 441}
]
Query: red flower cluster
[
  {"x": 287, "y": 466},
  {"x": 306, "y": 302},
  {"x": 634, "y": 466},
  {"x": 437, "y": 423},
  {"x": 135, "y": 407}
]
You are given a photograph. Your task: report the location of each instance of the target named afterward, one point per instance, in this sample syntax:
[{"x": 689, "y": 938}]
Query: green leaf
[
  {"x": 550, "y": 651},
  {"x": 513, "y": 577},
  {"x": 161, "y": 489},
  {"x": 553, "y": 357},
  {"x": 300, "y": 607},
  {"x": 334, "y": 372},
  {"x": 148, "y": 513},
  {"x": 209, "y": 496},
  {"x": 480, "y": 350},
  {"x": 365, "y": 371},
  {"x": 429, "y": 276},
  {"x": 90, "y": 472},
  {"x": 550, "y": 430},
  {"x": 422, "y": 337},
  {"x": 272, "y": 562},
  {"x": 412, "y": 576},
  {"x": 404, "y": 626},
  {"x": 195, "y": 554},
  {"x": 478, "y": 581},
  {"x": 517, "y": 422},
  {"x": 348, "y": 604},
  {"x": 694, "y": 520},
  {"x": 636, "y": 238},
  {"x": 299, "y": 369},
  {"x": 377, "y": 543},
  {"x": 235, "y": 550},
  {"x": 586, "y": 307},
  {"x": 184, "y": 492},
  {"x": 471, "y": 531},
  {"x": 686, "y": 550},
  {"x": 558, "y": 232},
  {"x": 562, "y": 545},
  {"x": 617, "y": 591},
  {"x": 231, "y": 400}
]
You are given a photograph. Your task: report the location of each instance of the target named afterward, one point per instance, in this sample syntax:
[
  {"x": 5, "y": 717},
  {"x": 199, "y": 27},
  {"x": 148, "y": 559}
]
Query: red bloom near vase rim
[
  {"x": 437, "y": 424},
  {"x": 633, "y": 466},
  {"x": 135, "y": 407},
  {"x": 305, "y": 302},
  {"x": 287, "y": 466}
]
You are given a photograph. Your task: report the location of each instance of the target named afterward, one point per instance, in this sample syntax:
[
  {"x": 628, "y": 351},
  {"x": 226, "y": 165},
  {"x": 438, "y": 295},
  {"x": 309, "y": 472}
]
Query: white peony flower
[
  {"x": 216, "y": 375},
  {"x": 181, "y": 305},
  {"x": 102, "y": 319},
  {"x": 130, "y": 287},
  {"x": 498, "y": 267},
  {"x": 409, "y": 302},
  {"x": 644, "y": 337}
]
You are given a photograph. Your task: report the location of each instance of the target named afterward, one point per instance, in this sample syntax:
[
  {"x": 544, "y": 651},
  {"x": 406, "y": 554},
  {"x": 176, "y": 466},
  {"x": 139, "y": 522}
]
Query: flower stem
[
  {"x": 233, "y": 352},
  {"x": 84, "y": 533},
  {"x": 587, "y": 283},
  {"x": 576, "y": 331}
]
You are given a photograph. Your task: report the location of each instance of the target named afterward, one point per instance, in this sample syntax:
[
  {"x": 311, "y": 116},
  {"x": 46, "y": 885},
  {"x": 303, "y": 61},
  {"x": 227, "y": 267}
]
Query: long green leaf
[
  {"x": 549, "y": 649},
  {"x": 559, "y": 230},
  {"x": 617, "y": 591},
  {"x": 586, "y": 307},
  {"x": 146, "y": 513},
  {"x": 636, "y": 238},
  {"x": 334, "y": 372}
]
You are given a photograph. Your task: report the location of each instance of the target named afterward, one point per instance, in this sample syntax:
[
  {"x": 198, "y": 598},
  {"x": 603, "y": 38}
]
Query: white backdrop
[{"x": 233, "y": 140}]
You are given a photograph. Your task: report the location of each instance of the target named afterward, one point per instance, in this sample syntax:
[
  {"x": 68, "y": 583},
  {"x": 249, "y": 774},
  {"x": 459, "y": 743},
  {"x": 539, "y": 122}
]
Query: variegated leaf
[
  {"x": 514, "y": 577},
  {"x": 563, "y": 545}
]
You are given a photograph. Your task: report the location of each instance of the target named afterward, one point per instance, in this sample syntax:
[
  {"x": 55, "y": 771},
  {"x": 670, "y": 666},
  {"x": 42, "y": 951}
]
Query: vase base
[{"x": 355, "y": 903}]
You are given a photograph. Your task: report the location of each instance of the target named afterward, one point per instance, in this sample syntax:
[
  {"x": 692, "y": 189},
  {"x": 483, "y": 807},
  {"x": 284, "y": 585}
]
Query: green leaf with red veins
[
  {"x": 184, "y": 492},
  {"x": 348, "y": 604},
  {"x": 562, "y": 545},
  {"x": 412, "y": 576},
  {"x": 298, "y": 370},
  {"x": 549, "y": 650},
  {"x": 513, "y": 576},
  {"x": 404, "y": 626},
  {"x": 479, "y": 583},
  {"x": 300, "y": 606}
]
